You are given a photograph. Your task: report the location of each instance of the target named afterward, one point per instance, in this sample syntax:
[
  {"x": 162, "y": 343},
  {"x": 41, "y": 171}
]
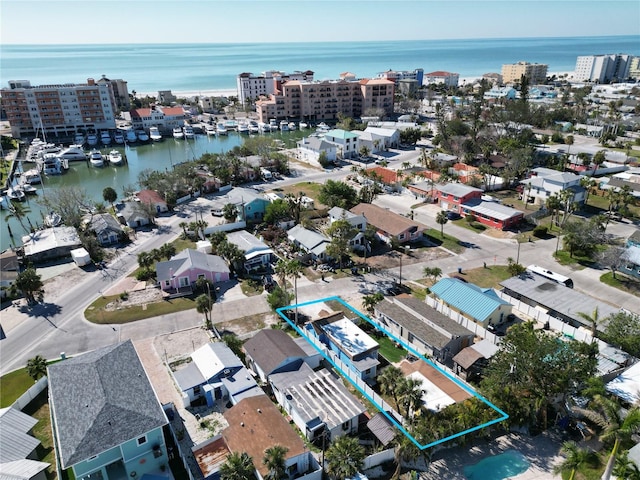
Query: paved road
[{"x": 53, "y": 328}]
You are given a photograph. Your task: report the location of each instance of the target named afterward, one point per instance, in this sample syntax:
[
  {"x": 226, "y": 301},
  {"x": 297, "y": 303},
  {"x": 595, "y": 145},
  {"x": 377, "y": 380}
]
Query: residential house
[
  {"x": 389, "y": 226},
  {"x": 471, "y": 361},
  {"x": 347, "y": 342},
  {"x": 314, "y": 244},
  {"x": 154, "y": 199},
  {"x": 482, "y": 305},
  {"x": 210, "y": 455},
  {"x": 50, "y": 243},
  {"x": 387, "y": 137},
  {"x": 492, "y": 214},
  {"x": 9, "y": 268},
  {"x": 251, "y": 204},
  {"x": 346, "y": 142},
  {"x": 556, "y": 299},
  {"x": 272, "y": 351},
  {"x": 107, "y": 229},
  {"x": 215, "y": 373},
  {"x": 185, "y": 268},
  {"x": 467, "y": 174},
  {"x": 106, "y": 417},
  {"x": 358, "y": 222},
  {"x": 311, "y": 148},
  {"x": 441, "y": 160},
  {"x": 258, "y": 256},
  {"x": 256, "y": 424},
  {"x": 426, "y": 190},
  {"x": 545, "y": 182},
  {"x": 447, "y": 79},
  {"x": 451, "y": 196},
  {"x": 373, "y": 142},
  {"x": 389, "y": 180},
  {"x": 317, "y": 401},
  {"x": 18, "y": 451},
  {"x": 165, "y": 118},
  {"x": 428, "y": 331},
  {"x": 496, "y": 92},
  {"x": 631, "y": 256},
  {"x": 132, "y": 215}
]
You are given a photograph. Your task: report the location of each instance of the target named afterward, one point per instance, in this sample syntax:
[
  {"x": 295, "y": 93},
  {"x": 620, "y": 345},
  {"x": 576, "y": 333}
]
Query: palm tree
[
  {"x": 625, "y": 468},
  {"x": 237, "y": 466},
  {"x": 441, "y": 219},
  {"x": 281, "y": 271},
  {"x": 411, "y": 393},
  {"x": 183, "y": 226},
  {"x": 404, "y": 451},
  {"x": 390, "y": 381},
  {"x": 593, "y": 319},
  {"x": 29, "y": 283},
  {"x": 37, "y": 367},
  {"x": 204, "y": 305},
  {"x": 575, "y": 457},
  {"x": 607, "y": 414},
  {"x": 167, "y": 250},
  {"x": 294, "y": 269},
  {"x": 344, "y": 458},
  {"x": 433, "y": 273},
  {"x": 19, "y": 212},
  {"x": 370, "y": 301},
  {"x": 274, "y": 460},
  {"x": 587, "y": 183},
  {"x": 145, "y": 259}
]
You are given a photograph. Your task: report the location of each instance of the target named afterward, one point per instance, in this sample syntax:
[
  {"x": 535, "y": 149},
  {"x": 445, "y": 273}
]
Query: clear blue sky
[{"x": 239, "y": 21}]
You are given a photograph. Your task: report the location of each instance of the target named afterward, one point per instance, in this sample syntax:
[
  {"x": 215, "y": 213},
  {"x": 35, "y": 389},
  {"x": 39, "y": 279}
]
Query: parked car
[{"x": 453, "y": 215}]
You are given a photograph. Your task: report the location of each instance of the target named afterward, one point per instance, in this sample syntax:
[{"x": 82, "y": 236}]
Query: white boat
[
  {"x": 187, "y": 130},
  {"x": 79, "y": 139},
  {"x": 222, "y": 130},
  {"x": 4, "y": 202},
  {"x": 32, "y": 176},
  {"x": 105, "y": 137},
  {"x": 323, "y": 128},
  {"x": 292, "y": 126},
  {"x": 143, "y": 137},
  {"x": 253, "y": 127},
  {"x": 73, "y": 152},
  {"x": 95, "y": 158},
  {"x": 284, "y": 126},
  {"x": 131, "y": 136},
  {"x": 155, "y": 134},
  {"x": 263, "y": 127},
  {"x": 28, "y": 189},
  {"x": 16, "y": 194},
  {"x": 303, "y": 125},
  {"x": 178, "y": 133},
  {"x": 52, "y": 219},
  {"x": 273, "y": 125},
  {"x": 210, "y": 129},
  {"x": 118, "y": 137},
  {"x": 243, "y": 128},
  {"x": 46, "y": 148},
  {"x": 115, "y": 158},
  {"x": 92, "y": 139},
  {"x": 51, "y": 164},
  {"x": 231, "y": 124}
]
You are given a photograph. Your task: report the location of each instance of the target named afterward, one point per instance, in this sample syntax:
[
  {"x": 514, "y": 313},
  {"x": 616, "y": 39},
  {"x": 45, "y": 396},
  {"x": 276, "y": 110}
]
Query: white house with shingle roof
[
  {"x": 545, "y": 182},
  {"x": 310, "y": 149},
  {"x": 311, "y": 242},
  {"x": 106, "y": 417}
]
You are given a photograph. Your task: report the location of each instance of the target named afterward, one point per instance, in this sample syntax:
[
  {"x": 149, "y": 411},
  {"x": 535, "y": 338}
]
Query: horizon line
[{"x": 327, "y": 41}]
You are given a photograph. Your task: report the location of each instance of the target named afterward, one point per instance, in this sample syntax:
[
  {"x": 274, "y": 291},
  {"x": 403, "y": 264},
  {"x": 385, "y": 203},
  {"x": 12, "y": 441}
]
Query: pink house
[
  {"x": 182, "y": 272},
  {"x": 152, "y": 197}
]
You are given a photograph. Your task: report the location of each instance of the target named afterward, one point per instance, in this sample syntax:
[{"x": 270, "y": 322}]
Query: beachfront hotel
[
  {"x": 603, "y": 68},
  {"x": 252, "y": 86},
  {"x": 323, "y": 100},
  {"x": 535, "y": 72},
  {"x": 59, "y": 110}
]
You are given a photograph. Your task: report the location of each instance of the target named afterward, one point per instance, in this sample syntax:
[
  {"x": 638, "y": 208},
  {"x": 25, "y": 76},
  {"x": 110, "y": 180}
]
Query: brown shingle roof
[
  {"x": 383, "y": 219},
  {"x": 467, "y": 357},
  {"x": 270, "y": 347}
]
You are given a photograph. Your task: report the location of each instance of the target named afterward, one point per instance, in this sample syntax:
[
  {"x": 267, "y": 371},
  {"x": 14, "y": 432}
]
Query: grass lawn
[
  {"x": 310, "y": 189},
  {"x": 564, "y": 258},
  {"x": 336, "y": 306},
  {"x": 389, "y": 350},
  {"x": 12, "y": 385},
  {"x": 251, "y": 287},
  {"x": 489, "y": 277},
  {"x": 96, "y": 313},
  {"x": 476, "y": 227},
  {"x": 39, "y": 409},
  {"x": 180, "y": 244},
  {"x": 622, "y": 282},
  {"x": 448, "y": 242},
  {"x": 589, "y": 470}
]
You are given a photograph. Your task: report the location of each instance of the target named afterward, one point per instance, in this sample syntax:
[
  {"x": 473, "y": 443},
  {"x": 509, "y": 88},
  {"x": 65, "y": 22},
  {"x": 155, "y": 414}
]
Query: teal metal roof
[
  {"x": 339, "y": 133},
  {"x": 473, "y": 301}
]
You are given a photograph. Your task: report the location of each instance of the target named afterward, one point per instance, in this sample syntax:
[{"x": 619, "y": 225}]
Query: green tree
[
  {"x": 574, "y": 458},
  {"x": 109, "y": 195},
  {"x": 344, "y": 458},
  {"x": 278, "y": 298},
  {"x": 230, "y": 212},
  {"x": 370, "y": 301},
  {"x": 237, "y": 466},
  {"x": 441, "y": 219},
  {"x": 146, "y": 260},
  {"x": 583, "y": 237},
  {"x": 70, "y": 203},
  {"x": 30, "y": 284},
  {"x": 626, "y": 468},
  {"x": 390, "y": 380},
  {"x": 341, "y": 232},
  {"x": 598, "y": 159},
  {"x": 274, "y": 460},
  {"x": 616, "y": 425},
  {"x": 235, "y": 344},
  {"x": 338, "y": 194},
  {"x": 19, "y": 212},
  {"x": 204, "y": 305},
  {"x": 404, "y": 450},
  {"x": 622, "y": 331},
  {"x": 167, "y": 250},
  {"x": 515, "y": 268},
  {"x": 433, "y": 273},
  {"x": 277, "y": 211},
  {"x": 37, "y": 367}
]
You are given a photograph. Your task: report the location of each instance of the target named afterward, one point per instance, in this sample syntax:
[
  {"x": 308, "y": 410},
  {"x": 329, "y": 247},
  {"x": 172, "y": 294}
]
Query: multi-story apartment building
[
  {"x": 396, "y": 75},
  {"x": 535, "y": 72},
  {"x": 252, "y": 87},
  {"x": 603, "y": 68},
  {"x": 447, "y": 78},
  {"x": 634, "y": 68},
  {"x": 58, "y": 110},
  {"x": 323, "y": 100},
  {"x": 120, "y": 92}
]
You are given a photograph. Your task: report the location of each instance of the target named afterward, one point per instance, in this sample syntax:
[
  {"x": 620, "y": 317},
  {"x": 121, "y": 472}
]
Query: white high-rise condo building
[{"x": 603, "y": 68}]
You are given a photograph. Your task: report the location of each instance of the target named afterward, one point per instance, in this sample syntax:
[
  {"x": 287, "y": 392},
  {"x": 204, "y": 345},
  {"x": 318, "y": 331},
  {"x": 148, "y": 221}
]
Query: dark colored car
[{"x": 453, "y": 216}]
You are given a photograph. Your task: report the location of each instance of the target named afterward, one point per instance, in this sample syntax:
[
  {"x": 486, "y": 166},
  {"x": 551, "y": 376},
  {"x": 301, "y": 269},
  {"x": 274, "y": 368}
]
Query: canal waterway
[{"x": 157, "y": 156}]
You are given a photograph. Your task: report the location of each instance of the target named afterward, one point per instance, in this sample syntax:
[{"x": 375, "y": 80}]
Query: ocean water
[{"x": 201, "y": 67}]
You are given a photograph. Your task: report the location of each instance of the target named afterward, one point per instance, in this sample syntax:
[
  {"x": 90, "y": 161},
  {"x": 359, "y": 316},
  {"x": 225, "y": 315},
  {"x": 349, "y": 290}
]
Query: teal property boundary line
[{"x": 466, "y": 388}]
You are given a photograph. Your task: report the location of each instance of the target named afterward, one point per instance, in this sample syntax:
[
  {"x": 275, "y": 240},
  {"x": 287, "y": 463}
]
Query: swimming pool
[{"x": 498, "y": 467}]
